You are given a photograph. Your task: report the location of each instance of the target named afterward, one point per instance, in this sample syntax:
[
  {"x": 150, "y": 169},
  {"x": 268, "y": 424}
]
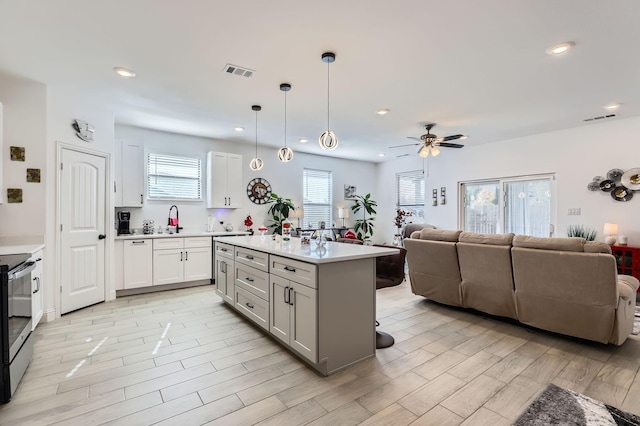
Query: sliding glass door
[{"x": 521, "y": 205}]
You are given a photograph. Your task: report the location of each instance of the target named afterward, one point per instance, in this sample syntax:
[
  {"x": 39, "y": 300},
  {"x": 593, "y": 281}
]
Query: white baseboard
[{"x": 49, "y": 315}]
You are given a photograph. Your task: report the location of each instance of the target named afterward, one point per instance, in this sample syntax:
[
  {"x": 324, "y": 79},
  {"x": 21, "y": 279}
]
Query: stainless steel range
[{"x": 16, "y": 345}]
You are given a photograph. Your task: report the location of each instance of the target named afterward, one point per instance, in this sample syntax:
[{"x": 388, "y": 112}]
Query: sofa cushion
[
  {"x": 596, "y": 247},
  {"x": 493, "y": 239},
  {"x": 542, "y": 243},
  {"x": 437, "y": 235}
]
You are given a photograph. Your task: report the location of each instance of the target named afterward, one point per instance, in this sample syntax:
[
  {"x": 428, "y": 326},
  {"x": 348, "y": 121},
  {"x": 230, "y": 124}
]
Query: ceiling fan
[{"x": 431, "y": 142}]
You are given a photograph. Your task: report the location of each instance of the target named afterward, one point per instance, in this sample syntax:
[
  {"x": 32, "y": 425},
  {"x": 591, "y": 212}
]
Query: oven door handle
[{"x": 24, "y": 271}]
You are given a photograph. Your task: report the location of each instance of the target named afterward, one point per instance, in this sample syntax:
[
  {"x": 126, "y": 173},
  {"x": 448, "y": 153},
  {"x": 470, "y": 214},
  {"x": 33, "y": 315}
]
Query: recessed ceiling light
[
  {"x": 303, "y": 140},
  {"x": 561, "y": 48},
  {"x": 611, "y": 107},
  {"x": 124, "y": 72},
  {"x": 382, "y": 111},
  {"x": 239, "y": 129},
  {"x": 381, "y": 155}
]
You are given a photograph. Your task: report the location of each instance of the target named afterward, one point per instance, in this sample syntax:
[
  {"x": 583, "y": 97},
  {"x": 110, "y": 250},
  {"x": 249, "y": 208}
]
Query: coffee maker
[{"x": 123, "y": 223}]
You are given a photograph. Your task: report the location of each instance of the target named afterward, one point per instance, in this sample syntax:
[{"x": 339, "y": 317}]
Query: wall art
[
  {"x": 443, "y": 195},
  {"x": 349, "y": 192},
  {"x": 435, "y": 197},
  {"x": 17, "y": 153},
  {"x": 619, "y": 184},
  {"x": 14, "y": 195},
  {"x": 33, "y": 175}
]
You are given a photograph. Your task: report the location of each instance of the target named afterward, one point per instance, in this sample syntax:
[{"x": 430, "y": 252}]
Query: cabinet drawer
[
  {"x": 254, "y": 308},
  {"x": 300, "y": 272},
  {"x": 136, "y": 243},
  {"x": 253, "y": 258},
  {"x": 224, "y": 250},
  {"x": 168, "y": 243},
  {"x": 253, "y": 280},
  {"x": 197, "y": 242}
]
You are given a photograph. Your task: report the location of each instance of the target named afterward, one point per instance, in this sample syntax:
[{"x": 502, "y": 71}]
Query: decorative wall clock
[{"x": 259, "y": 190}]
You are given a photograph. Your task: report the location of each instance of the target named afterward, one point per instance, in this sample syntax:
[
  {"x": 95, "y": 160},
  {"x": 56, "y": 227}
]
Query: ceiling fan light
[
  {"x": 424, "y": 151},
  {"x": 285, "y": 154},
  {"x": 256, "y": 164},
  {"x": 328, "y": 140},
  {"x": 435, "y": 151}
]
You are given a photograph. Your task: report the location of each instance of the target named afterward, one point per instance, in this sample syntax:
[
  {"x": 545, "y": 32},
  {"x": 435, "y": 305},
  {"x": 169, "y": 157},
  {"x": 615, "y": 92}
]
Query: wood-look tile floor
[{"x": 182, "y": 357}]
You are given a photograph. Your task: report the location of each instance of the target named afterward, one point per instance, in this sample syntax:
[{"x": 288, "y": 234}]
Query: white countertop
[
  {"x": 181, "y": 235},
  {"x": 333, "y": 251},
  {"x": 18, "y": 245}
]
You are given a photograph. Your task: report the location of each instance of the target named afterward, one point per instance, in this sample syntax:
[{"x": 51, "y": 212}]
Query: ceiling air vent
[
  {"x": 236, "y": 70},
  {"x": 600, "y": 117}
]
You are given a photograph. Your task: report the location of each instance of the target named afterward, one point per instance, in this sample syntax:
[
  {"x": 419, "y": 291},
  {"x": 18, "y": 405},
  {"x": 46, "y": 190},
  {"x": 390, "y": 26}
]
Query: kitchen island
[{"x": 319, "y": 302}]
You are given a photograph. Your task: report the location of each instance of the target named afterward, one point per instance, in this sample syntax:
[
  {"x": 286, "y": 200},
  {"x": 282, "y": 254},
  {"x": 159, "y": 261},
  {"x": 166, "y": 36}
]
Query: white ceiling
[{"x": 473, "y": 67}]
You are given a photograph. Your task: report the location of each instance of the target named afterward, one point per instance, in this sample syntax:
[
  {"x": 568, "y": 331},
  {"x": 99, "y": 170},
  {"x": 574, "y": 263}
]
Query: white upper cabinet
[
  {"x": 129, "y": 185},
  {"x": 1, "y": 151},
  {"x": 224, "y": 180}
]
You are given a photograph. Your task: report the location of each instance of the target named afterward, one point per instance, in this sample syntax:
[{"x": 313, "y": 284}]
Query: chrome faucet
[{"x": 175, "y": 221}]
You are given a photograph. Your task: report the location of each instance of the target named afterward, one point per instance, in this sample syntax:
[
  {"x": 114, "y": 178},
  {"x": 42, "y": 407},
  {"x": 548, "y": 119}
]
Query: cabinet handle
[
  {"x": 290, "y": 300},
  {"x": 249, "y": 305},
  {"x": 286, "y": 291},
  {"x": 38, "y": 259},
  {"x": 141, "y": 198},
  {"x": 249, "y": 257},
  {"x": 229, "y": 200},
  {"x": 223, "y": 267},
  {"x": 249, "y": 279},
  {"x": 186, "y": 255},
  {"x": 287, "y": 268},
  {"x": 180, "y": 256},
  {"x": 37, "y": 280},
  {"x": 137, "y": 242},
  {"x": 223, "y": 249}
]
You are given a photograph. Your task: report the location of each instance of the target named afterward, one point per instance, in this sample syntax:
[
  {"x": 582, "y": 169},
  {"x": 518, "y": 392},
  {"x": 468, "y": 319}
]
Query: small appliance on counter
[
  {"x": 147, "y": 226},
  {"x": 123, "y": 223}
]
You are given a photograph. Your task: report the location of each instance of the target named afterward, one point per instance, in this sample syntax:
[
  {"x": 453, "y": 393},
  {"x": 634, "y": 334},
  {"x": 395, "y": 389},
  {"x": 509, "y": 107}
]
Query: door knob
[{"x": 102, "y": 237}]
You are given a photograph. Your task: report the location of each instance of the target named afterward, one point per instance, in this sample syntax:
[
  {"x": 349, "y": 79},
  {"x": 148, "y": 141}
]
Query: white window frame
[
  {"x": 174, "y": 196},
  {"x": 502, "y": 181},
  {"x": 309, "y": 206},
  {"x": 417, "y": 208}
]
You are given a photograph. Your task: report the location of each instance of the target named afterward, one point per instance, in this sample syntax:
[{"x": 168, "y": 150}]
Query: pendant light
[
  {"x": 285, "y": 154},
  {"x": 256, "y": 162},
  {"x": 328, "y": 140}
]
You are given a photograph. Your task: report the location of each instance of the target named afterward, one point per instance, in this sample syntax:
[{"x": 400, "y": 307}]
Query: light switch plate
[{"x": 575, "y": 211}]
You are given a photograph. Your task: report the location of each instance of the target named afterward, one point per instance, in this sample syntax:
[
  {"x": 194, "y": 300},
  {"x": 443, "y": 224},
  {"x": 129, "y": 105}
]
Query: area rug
[{"x": 558, "y": 406}]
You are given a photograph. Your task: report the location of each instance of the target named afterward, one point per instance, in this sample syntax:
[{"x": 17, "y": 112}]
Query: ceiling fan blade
[
  {"x": 402, "y": 155},
  {"x": 409, "y": 144},
  {"x": 413, "y": 137},
  {"x": 451, "y": 138},
  {"x": 450, "y": 145}
]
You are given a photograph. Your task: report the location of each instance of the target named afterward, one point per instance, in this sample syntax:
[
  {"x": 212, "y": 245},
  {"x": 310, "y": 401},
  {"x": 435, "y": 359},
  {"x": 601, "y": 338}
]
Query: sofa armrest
[{"x": 629, "y": 282}]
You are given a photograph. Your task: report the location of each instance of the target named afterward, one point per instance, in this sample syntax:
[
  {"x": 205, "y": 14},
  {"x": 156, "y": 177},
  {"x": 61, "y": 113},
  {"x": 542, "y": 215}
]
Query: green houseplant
[
  {"x": 582, "y": 231},
  {"x": 279, "y": 211},
  {"x": 364, "y": 226}
]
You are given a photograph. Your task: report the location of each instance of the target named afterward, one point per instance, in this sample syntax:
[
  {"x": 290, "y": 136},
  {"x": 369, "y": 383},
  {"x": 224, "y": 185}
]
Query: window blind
[
  {"x": 171, "y": 177},
  {"x": 317, "y": 193},
  {"x": 410, "y": 189}
]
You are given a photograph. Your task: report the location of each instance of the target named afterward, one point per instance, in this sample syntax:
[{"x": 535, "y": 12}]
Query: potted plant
[
  {"x": 364, "y": 226},
  {"x": 279, "y": 210},
  {"x": 582, "y": 231}
]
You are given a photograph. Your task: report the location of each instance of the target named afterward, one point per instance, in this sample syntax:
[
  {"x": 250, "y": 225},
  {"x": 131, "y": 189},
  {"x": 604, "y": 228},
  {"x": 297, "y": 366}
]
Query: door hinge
[
  {"x": 60, "y": 289},
  {"x": 114, "y": 186},
  {"x": 61, "y": 166},
  {"x": 60, "y": 227}
]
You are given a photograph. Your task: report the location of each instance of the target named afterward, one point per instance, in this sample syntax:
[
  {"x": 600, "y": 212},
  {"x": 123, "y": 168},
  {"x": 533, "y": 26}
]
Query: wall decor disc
[
  {"x": 598, "y": 179},
  {"x": 259, "y": 190},
  {"x": 621, "y": 194},
  {"x": 631, "y": 179},
  {"x": 615, "y": 174},
  {"x": 607, "y": 185},
  {"x": 593, "y": 186}
]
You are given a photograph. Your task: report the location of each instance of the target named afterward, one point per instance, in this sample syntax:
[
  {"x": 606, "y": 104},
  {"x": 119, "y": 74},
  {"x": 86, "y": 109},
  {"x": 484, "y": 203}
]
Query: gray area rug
[{"x": 558, "y": 406}]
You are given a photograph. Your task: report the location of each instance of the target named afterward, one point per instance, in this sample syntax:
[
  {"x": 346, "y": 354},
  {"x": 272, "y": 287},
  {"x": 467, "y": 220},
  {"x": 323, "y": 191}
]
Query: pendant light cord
[
  {"x": 256, "y": 134},
  {"x": 285, "y": 118},
  {"x": 328, "y": 98}
]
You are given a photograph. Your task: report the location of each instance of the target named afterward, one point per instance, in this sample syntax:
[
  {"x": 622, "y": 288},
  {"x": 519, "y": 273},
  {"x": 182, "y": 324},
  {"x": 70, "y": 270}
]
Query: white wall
[
  {"x": 24, "y": 126},
  {"x": 285, "y": 179},
  {"x": 575, "y": 155}
]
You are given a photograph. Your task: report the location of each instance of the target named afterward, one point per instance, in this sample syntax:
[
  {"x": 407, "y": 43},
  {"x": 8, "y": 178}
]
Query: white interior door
[{"x": 82, "y": 217}]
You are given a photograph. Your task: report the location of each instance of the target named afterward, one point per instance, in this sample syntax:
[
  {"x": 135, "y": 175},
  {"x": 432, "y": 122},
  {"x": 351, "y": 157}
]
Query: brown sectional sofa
[{"x": 564, "y": 285}]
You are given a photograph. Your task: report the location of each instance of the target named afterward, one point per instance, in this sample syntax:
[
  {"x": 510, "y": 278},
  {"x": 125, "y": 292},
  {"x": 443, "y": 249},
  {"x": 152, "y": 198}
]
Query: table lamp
[
  {"x": 610, "y": 229},
  {"x": 343, "y": 214}
]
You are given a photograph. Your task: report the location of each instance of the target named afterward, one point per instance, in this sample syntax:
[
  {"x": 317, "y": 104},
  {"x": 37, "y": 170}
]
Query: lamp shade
[
  {"x": 298, "y": 212},
  {"x": 343, "y": 213},
  {"x": 610, "y": 228}
]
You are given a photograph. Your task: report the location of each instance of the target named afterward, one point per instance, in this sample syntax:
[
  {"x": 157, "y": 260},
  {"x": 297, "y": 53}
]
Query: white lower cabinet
[
  {"x": 293, "y": 315},
  {"x": 137, "y": 263},
  {"x": 181, "y": 260},
  {"x": 37, "y": 298},
  {"x": 225, "y": 272}
]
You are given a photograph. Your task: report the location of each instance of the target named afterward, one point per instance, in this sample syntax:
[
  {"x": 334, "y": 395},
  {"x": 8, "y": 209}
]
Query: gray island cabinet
[{"x": 318, "y": 302}]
